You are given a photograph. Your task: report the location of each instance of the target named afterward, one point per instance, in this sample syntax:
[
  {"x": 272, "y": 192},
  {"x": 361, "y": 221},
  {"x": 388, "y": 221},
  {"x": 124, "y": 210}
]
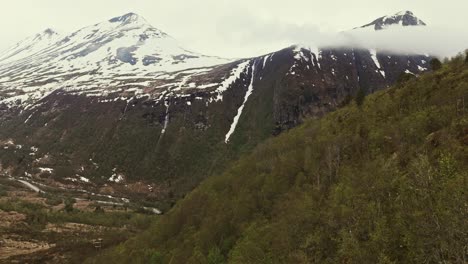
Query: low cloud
[
  {"x": 271, "y": 35},
  {"x": 441, "y": 42}
]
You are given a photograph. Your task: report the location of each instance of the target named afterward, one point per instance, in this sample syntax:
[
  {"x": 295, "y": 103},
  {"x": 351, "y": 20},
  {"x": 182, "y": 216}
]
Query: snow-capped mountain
[
  {"x": 120, "y": 56},
  {"x": 123, "y": 98},
  {"x": 403, "y": 18},
  {"x": 123, "y": 51}
]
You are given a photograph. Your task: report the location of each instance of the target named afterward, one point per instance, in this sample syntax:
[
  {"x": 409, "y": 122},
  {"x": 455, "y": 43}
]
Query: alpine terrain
[
  {"x": 119, "y": 145},
  {"x": 120, "y": 108}
]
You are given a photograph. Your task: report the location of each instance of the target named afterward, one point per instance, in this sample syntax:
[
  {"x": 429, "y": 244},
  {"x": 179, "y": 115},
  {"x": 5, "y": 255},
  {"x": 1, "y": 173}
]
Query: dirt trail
[{"x": 30, "y": 186}]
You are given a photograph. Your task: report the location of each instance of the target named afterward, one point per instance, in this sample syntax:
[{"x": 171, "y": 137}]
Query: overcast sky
[{"x": 228, "y": 28}]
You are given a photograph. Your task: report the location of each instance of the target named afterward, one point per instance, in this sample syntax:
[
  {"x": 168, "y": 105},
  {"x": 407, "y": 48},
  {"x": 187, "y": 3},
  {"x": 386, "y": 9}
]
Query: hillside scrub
[{"x": 383, "y": 182}]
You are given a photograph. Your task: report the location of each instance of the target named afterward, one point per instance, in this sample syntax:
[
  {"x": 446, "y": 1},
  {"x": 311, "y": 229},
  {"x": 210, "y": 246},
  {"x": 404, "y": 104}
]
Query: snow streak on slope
[
  {"x": 373, "y": 53},
  {"x": 166, "y": 118},
  {"x": 239, "y": 111},
  {"x": 265, "y": 59}
]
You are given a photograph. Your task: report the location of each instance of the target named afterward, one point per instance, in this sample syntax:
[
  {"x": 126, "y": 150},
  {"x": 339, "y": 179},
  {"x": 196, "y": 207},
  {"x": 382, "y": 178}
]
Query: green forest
[{"x": 383, "y": 180}]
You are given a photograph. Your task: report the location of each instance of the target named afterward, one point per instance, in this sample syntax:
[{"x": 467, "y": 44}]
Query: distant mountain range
[{"x": 122, "y": 100}]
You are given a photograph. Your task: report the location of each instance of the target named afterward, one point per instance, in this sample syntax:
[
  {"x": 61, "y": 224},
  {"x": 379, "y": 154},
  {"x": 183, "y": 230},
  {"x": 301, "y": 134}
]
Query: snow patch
[
  {"x": 49, "y": 170},
  {"x": 83, "y": 179},
  {"x": 207, "y": 85},
  {"x": 117, "y": 178}
]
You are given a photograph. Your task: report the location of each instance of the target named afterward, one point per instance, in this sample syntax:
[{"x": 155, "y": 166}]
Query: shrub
[
  {"x": 360, "y": 96},
  {"x": 53, "y": 201},
  {"x": 436, "y": 64},
  {"x": 3, "y": 191},
  {"x": 69, "y": 202}
]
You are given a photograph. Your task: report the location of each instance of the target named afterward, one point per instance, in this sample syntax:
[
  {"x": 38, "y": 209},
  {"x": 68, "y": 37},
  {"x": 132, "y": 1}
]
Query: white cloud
[
  {"x": 438, "y": 41},
  {"x": 241, "y": 28}
]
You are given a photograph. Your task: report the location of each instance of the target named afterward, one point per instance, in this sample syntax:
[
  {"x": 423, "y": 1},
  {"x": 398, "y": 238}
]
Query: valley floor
[{"x": 57, "y": 227}]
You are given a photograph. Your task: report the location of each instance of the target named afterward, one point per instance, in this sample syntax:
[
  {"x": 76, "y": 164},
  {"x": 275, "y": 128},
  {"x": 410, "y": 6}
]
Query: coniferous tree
[
  {"x": 360, "y": 96},
  {"x": 69, "y": 202},
  {"x": 436, "y": 64}
]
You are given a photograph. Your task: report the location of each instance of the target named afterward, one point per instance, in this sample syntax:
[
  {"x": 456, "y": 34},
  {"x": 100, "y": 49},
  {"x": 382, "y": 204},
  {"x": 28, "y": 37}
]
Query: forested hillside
[{"x": 382, "y": 180}]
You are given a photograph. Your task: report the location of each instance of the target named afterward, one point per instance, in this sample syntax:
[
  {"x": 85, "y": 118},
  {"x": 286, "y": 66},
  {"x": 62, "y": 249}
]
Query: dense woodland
[{"x": 382, "y": 181}]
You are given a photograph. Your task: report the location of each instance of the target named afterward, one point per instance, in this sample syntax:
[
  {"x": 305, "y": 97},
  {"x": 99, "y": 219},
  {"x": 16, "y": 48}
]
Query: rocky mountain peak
[
  {"x": 49, "y": 31},
  {"x": 46, "y": 34},
  {"x": 128, "y": 18},
  {"x": 402, "y": 18}
]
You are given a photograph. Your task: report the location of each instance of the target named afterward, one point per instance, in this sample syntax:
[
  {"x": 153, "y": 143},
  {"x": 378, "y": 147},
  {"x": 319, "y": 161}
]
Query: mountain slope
[
  {"x": 161, "y": 130},
  {"x": 383, "y": 182}
]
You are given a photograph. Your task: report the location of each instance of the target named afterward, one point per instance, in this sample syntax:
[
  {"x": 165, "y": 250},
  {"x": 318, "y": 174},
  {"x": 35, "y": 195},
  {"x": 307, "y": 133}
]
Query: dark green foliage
[
  {"x": 360, "y": 96},
  {"x": 383, "y": 183},
  {"x": 405, "y": 77},
  {"x": 215, "y": 256},
  {"x": 53, "y": 201},
  {"x": 69, "y": 202},
  {"x": 3, "y": 191},
  {"x": 436, "y": 64},
  {"x": 99, "y": 209},
  {"x": 155, "y": 258}
]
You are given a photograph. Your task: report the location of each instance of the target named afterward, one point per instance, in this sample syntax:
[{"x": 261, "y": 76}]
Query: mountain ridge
[{"x": 168, "y": 129}]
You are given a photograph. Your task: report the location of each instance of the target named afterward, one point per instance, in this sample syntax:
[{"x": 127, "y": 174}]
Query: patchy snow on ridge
[
  {"x": 300, "y": 56},
  {"x": 235, "y": 74}
]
